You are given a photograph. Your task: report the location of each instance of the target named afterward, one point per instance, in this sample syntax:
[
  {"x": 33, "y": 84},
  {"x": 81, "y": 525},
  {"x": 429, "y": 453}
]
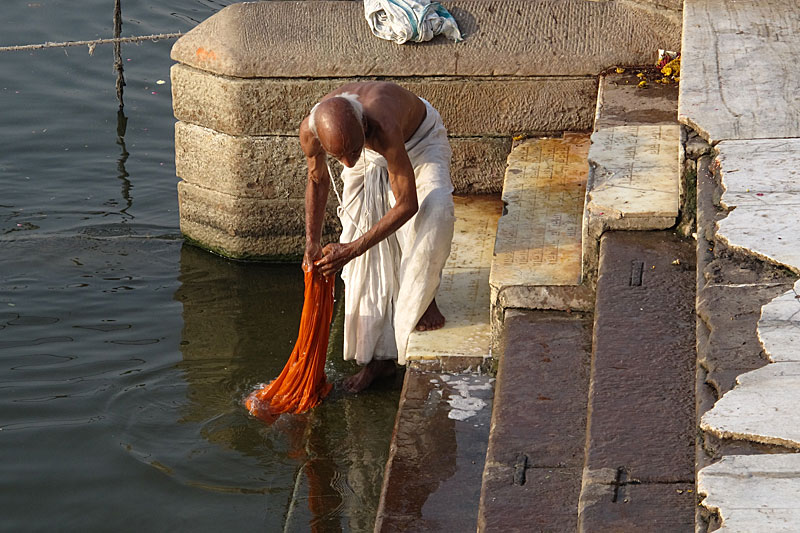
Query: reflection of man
[{"x": 396, "y": 213}]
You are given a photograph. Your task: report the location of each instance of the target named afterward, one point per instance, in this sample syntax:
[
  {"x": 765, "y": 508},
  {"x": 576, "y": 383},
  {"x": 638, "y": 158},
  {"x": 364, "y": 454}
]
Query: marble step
[
  {"x": 464, "y": 343},
  {"x": 634, "y": 162},
  {"x": 537, "y": 252}
]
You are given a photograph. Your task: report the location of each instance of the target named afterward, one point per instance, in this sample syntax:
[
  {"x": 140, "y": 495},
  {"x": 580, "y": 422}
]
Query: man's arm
[
  {"x": 401, "y": 179},
  {"x": 317, "y": 189}
]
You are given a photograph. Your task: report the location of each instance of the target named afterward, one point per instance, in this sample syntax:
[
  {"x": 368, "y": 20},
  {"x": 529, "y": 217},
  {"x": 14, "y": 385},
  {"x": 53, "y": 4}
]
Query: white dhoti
[{"x": 389, "y": 287}]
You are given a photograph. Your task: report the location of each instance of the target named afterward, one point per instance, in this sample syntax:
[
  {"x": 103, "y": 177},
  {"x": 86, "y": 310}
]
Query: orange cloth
[{"x": 302, "y": 383}]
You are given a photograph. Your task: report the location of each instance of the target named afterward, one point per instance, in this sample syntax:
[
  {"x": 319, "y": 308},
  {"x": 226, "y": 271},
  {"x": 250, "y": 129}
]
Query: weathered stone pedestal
[{"x": 247, "y": 76}]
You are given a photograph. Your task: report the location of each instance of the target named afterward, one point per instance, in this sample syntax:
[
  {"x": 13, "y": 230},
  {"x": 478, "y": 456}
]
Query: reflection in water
[
  {"x": 122, "y": 125},
  {"x": 240, "y": 323},
  {"x": 122, "y": 120}
]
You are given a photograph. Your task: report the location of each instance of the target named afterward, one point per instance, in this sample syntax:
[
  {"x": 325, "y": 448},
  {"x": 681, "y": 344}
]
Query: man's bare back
[{"x": 385, "y": 103}]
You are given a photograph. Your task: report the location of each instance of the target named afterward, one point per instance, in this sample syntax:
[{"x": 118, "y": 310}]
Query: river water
[{"x": 125, "y": 353}]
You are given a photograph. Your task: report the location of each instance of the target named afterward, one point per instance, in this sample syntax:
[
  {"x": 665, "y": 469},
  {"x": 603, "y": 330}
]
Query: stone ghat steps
[{"x": 562, "y": 194}]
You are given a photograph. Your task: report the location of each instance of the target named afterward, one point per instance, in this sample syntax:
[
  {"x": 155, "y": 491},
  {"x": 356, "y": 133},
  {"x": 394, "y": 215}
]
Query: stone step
[
  {"x": 532, "y": 477},
  {"x": 639, "y": 468},
  {"x": 634, "y": 162},
  {"x": 436, "y": 457},
  {"x": 438, "y": 448},
  {"x": 537, "y": 253},
  {"x": 464, "y": 343}
]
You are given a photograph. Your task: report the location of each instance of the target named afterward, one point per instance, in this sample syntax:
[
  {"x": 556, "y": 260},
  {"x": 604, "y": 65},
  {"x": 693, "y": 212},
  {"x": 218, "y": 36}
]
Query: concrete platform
[
  {"x": 465, "y": 340},
  {"x": 641, "y": 428},
  {"x": 537, "y": 254}
]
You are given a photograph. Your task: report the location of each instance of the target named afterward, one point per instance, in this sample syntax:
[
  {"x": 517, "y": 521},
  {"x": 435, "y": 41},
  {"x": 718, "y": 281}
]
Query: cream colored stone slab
[
  {"x": 738, "y": 69},
  {"x": 762, "y": 407},
  {"x": 463, "y": 295},
  {"x": 635, "y": 172},
  {"x": 779, "y": 326},
  {"x": 270, "y": 106},
  {"x": 769, "y": 232},
  {"x": 761, "y": 184},
  {"x": 761, "y": 165},
  {"x": 539, "y": 239},
  {"x": 503, "y": 38},
  {"x": 753, "y": 493}
]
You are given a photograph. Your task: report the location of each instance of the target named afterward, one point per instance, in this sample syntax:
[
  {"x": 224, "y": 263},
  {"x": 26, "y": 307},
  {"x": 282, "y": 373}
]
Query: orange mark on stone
[{"x": 205, "y": 55}]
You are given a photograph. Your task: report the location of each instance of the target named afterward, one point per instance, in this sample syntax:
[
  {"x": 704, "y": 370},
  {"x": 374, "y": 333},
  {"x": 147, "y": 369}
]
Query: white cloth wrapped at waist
[
  {"x": 388, "y": 288},
  {"x": 410, "y": 20}
]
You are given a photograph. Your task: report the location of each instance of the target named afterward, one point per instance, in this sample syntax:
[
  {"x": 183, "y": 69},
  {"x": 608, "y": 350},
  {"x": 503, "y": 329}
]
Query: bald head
[{"x": 337, "y": 123}]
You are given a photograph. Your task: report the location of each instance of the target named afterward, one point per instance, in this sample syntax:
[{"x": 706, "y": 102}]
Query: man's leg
[{"x": 425, "y": 244}]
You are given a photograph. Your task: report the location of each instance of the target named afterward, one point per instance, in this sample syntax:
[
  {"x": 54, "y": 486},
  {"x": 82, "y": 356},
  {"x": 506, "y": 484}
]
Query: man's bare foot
[
  {"x": 431, "y": 319},
  {"x": 374, "y": 370}
]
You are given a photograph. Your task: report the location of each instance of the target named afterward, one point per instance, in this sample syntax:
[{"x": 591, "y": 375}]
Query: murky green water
[{"x": 124, "y": 353}]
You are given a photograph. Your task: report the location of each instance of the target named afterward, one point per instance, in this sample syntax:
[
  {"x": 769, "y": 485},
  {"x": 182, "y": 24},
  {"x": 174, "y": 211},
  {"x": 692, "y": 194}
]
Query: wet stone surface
[{"x": 436, "y": 461}]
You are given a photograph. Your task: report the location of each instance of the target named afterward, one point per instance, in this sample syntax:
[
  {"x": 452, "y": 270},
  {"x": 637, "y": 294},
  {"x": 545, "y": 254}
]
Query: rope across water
[{"x": 91, "y": 44}]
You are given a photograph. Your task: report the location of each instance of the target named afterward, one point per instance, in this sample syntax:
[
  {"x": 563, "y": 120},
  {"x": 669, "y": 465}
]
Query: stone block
[
  {"x": 246, "y": 228},
  {"x": 275, "y": 167},
  {"x": 535, "y": 457},
  {"x": 538, "y": 242},
  {"x": 641, "y": 399},
  {"x": 737, "y": 64},
  {"x": 637, "y": 507},
  {"x": 547, "y": 501},
  {"x": 478, "y": 164},
  {"x": 753, "y": 492},
  {"x": 761, "y": 408},
  {"x": 264, "y": 168},
  {"x": 634, "y": 183},
  {"x": 265, "y": 39},
  {"x": 276, "y": 106},
  {"x": 540, "y": 397}
]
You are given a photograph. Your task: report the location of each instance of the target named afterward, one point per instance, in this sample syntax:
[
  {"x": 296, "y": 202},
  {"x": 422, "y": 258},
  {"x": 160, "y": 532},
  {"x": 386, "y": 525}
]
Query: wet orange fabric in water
[{"x": 302, "y": 383}]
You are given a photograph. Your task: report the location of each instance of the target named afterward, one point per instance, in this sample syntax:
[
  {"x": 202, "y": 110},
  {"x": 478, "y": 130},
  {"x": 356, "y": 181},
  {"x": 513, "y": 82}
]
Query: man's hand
[
  {"x": 335, "y": 256},
  {"x": 313, "y": 253}
]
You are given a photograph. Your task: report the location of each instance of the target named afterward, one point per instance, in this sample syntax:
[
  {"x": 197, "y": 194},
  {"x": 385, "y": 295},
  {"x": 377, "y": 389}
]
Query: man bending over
[{"x": 396, "y": 213}]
